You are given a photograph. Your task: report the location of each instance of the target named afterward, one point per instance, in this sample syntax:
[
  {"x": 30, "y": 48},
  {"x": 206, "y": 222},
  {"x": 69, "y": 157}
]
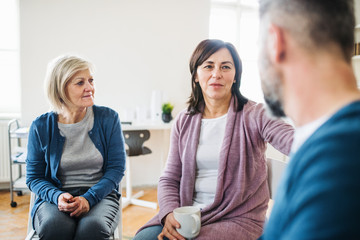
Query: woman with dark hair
[
  {"x": 217, "y": 153},
  {"x": 203, "y": 51}
]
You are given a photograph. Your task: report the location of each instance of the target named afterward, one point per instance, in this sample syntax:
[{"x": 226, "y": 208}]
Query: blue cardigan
[
  {"x": 45, "y": 146},
  {"x": 319, "y": 197}
]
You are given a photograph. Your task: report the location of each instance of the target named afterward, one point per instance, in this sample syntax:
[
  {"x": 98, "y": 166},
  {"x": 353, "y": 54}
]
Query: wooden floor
[{"x": 13, "y": 221}]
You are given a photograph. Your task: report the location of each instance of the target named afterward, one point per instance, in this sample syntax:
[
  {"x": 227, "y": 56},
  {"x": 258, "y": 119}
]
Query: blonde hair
[{"x": 59, "y": 72}]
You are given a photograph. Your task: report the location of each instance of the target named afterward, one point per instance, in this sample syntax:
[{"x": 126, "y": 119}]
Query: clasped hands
[{"x": 76, "y": 206}]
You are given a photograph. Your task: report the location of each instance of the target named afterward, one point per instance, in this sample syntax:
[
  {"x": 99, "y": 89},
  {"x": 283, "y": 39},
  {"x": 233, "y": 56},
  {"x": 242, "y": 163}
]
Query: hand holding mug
[
  {"x": 189, "y": 218},
  {"x": 169, "y": 229}
]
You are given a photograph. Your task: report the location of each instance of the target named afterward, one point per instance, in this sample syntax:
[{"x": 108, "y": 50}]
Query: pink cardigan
[{"x": 242, "y": 194}]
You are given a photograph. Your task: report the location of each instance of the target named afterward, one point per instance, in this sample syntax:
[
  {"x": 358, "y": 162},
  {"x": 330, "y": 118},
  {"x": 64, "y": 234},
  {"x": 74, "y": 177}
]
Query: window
[
  {"x": 9, "y": 57},
  {"x": 236, "y": 21}
]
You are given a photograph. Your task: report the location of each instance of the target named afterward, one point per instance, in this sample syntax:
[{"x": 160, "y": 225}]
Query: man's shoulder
[
  {"x": 336, "y": 135},
  {"x": 329, "y": 161},
  {"x": 341, "y": 131},
  {"x": 333, "y": 145},
  {"x": 321, "y": 182},
  {"x": 330, "y": 155}
]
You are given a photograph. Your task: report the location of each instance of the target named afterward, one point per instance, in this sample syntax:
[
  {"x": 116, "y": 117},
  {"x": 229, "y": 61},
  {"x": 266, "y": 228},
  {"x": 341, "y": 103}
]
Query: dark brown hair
[{"x": 202, "y": 52}]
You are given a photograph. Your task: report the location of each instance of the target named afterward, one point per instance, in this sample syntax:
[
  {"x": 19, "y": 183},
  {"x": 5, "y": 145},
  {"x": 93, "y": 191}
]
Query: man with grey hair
[{"x": 306, "y": 73}]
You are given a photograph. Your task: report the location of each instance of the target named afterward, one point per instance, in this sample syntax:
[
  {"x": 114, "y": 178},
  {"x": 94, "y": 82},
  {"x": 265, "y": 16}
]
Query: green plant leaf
[{"x": 167, "y": 108}]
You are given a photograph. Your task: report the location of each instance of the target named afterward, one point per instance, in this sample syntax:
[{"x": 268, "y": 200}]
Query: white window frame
[
  {"x": 250, "y": 83},
  {"x": 9, "y": 59}
]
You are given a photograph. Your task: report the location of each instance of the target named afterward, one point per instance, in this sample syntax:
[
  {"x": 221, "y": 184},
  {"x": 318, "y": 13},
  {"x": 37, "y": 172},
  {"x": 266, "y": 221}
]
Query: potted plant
[{"x": 166, "y": 112}]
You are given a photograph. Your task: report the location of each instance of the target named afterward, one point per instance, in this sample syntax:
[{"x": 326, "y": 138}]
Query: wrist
[
  {"x": 85, "y": 201},
  {"x": 163, "y": 220},
  {"x": 56, "y": 197}
]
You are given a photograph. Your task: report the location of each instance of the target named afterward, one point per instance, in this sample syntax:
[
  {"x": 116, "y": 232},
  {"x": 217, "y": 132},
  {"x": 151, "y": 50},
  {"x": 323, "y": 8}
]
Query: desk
[
  {"x": 158, "y": 143},
  {"x": 149, "y": 125}
]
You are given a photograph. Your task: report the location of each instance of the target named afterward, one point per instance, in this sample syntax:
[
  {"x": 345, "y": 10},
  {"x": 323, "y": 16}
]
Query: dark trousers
[{"x": 99, "y": 223}]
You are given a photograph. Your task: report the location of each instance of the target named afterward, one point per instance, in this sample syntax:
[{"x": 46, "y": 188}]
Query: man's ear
[{"x": 277, "y": 42}]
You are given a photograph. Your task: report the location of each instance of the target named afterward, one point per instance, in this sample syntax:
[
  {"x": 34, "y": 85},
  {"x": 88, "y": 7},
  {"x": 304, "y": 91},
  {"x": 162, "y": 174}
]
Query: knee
[
  {"x": 95, "y": 228},
  {"x": 53, "y": 228},
  {"x": 149, "y": 233}
]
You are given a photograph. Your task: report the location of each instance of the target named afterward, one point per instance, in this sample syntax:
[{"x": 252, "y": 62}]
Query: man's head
[{"x": 315, "y": 25}]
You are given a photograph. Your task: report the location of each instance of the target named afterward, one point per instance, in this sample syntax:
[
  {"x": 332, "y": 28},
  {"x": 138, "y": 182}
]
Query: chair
[
  {"x": 135, "y": 139},
  {"x": 32, "y": 235},
  {"x": 275, "y": 170}
]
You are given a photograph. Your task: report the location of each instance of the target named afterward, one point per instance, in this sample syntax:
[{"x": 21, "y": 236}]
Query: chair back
[
  {"x": 135, "y": 140},
  {"x": 275, "y": 170}
]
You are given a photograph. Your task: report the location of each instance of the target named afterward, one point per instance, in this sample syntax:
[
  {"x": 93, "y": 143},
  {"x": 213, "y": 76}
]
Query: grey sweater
[{"x": 81, "y": 162}]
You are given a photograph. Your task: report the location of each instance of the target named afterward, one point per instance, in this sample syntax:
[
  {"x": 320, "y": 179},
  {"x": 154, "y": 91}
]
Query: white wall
[{"x": 136, "y": 45}]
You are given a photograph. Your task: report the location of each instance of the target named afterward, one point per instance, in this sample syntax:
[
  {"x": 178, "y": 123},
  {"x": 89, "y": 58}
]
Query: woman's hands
[
  {"x": 66, "y": 203},
  {"x": 83, "y": 208},
  {"x": 169, "y": 229},
  {"x": 76, "y": 206}
]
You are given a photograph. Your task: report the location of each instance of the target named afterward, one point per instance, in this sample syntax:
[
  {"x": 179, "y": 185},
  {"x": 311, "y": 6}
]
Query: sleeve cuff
[{"x": 90, "y": 198}]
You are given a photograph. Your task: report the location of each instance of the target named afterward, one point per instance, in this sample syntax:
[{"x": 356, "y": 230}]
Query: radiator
[{"x": 4, "y": 153}]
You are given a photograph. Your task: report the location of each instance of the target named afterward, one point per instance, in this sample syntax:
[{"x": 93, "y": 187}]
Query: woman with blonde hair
[{"x": 76, "y": 157}]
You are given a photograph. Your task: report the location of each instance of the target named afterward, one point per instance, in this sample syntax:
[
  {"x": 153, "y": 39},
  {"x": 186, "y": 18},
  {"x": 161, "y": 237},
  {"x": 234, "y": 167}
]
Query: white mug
[{"x": 190, "y": 221}]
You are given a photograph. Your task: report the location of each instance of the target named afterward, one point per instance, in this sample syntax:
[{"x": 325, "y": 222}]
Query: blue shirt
[
  {"x": 45, "y": 145},
  {"x": 319, "y": 197}
]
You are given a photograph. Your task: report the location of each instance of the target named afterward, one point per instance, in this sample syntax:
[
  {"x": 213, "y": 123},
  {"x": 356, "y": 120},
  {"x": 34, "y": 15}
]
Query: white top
[
  {"x": 207, "y": 160},
  {"x": 304, "y": 132}
]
